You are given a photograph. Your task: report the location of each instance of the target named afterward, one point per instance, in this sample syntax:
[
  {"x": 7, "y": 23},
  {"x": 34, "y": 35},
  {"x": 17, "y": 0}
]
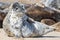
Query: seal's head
[{"x": 19, "y": 7}]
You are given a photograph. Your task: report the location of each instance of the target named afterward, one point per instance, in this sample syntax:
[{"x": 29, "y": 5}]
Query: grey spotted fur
[{"x": 18, "y": 24}]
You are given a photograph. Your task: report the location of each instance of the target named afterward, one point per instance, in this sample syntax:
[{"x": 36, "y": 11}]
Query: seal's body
[
  {"x": 13, "y": 21},
  {"x": 18, "y": 24}
]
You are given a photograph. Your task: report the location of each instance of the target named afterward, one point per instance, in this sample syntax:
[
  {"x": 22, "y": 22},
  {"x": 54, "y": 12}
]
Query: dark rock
[
  {"x": 2, "y": 16},
  {"x": 4, "y": 5},
  {"x": 38, "y": 13},
  {"x": 1, "y": 24}
]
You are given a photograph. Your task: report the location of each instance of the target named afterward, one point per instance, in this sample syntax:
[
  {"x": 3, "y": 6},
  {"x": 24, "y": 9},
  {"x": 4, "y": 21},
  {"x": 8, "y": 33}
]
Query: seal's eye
[{"x": 16, "y": 8}]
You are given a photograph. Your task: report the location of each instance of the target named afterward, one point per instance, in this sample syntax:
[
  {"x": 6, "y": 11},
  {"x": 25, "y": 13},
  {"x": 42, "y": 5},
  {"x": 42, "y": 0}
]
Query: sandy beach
[{"x": 50, "y": 36}]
